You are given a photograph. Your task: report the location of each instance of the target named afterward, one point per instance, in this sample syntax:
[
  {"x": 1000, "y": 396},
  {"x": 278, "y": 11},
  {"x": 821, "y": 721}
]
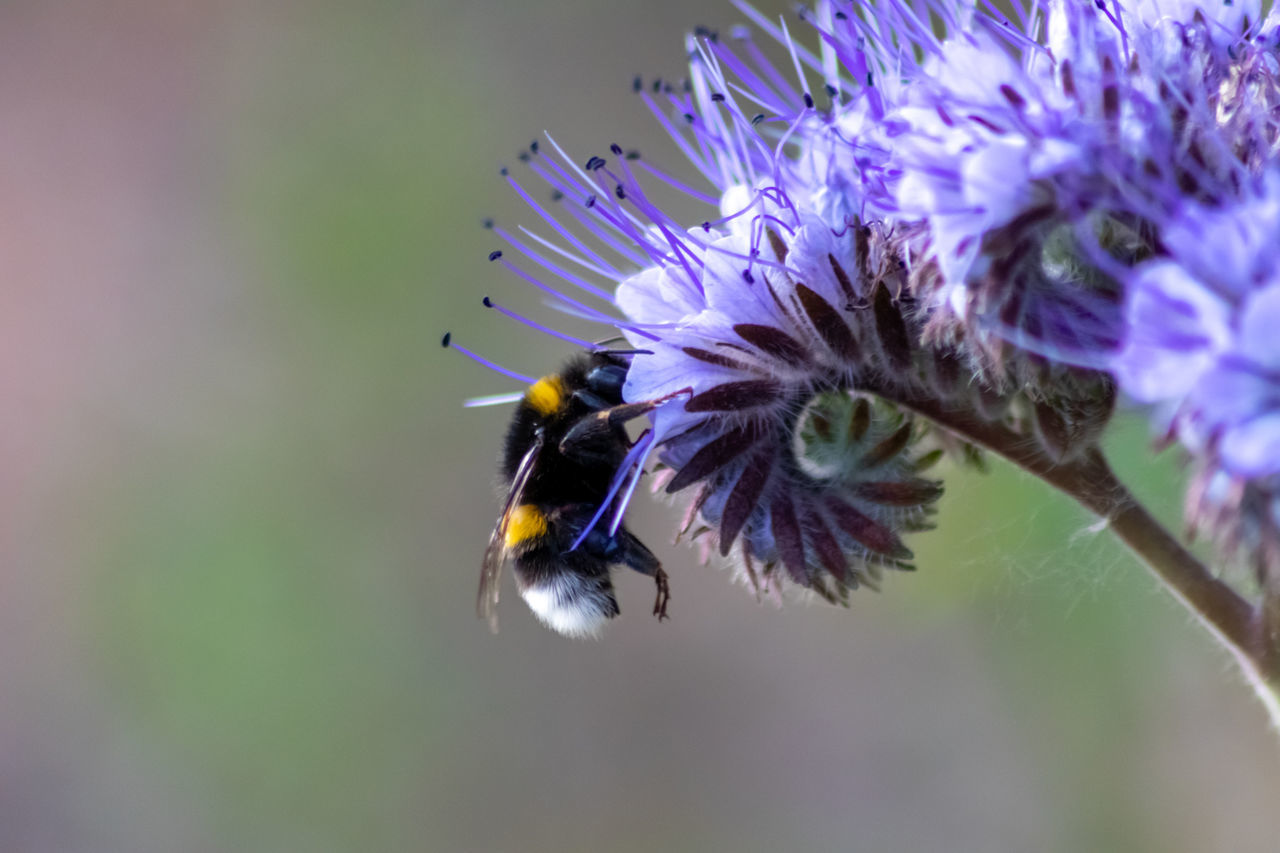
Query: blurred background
[{"x": 242, "y": 509}]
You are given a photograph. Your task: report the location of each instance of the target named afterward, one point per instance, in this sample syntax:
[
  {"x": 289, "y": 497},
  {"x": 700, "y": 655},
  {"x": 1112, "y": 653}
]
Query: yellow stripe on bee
[
  {"x": 546, "y": 396},
  {"x": 525, "y": 522}
]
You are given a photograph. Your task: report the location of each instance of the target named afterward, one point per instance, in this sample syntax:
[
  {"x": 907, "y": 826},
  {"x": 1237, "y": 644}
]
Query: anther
[
  {"x": 495, "y": 254},
  {"x": 1012, "y": 96}
]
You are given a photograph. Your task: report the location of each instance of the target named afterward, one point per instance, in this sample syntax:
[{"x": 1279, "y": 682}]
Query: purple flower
[
  {"x": 1201, "y": 344},
  {"x": 1042, "y": 167},
  {"x": 900, "y": 221},
  {"x": 772, "y": 314}
]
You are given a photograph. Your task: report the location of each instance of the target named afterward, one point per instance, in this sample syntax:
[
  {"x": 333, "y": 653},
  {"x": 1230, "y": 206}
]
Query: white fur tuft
[{"x": 569, "y": 607}]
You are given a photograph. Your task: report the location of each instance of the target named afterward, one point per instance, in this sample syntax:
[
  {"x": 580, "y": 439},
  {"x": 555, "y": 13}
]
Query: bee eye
[{"x": 607, "y": 380}]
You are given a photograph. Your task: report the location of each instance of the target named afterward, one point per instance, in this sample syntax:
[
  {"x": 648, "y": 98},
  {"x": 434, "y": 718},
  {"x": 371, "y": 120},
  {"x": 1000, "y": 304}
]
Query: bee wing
[{"x": 495, "y": 555}]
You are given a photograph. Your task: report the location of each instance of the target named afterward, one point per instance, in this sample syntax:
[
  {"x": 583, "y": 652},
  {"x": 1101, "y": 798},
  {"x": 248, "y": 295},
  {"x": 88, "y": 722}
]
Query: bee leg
[
  {"x": 632, "y": 552},
  {"x": 624, "y": 412},
  {"x": 593, "y": 437},
  {"x": 664, "y": 595},
  {"x": 623, "y": 547}
]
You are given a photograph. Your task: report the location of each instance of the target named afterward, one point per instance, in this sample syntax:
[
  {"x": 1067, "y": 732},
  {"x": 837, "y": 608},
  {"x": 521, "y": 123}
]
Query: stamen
[
  {"x": 582, "y": 209},
  {"x": 757, "y": 89},
  {"x": 665, "y": 223},
  {"x": 599, "y": 185},
  {"x": 641, "y": 329},
  {"x": 493, "y": 400},
  {"x": 570, "y": 256},
  {"x": 700, "y": 160},
  {"x": 588, "y": 311},
  {"x": 607, "y": 208},
  {"x": 624, "y": 470},
  {"x": 447, "y": 343},
  {"x": 738, "y": 129},
  {"x": 648, "y": 440},
  {"x": 601, "y": 225},
  {"x": 706, "y": 198},
  {"x": 757, "y": 58},
  {"x": 554, "y": 222},
  {"x": 519, "y": 318},
  {"x": 556, "y": 269},
  {"x": 780, "y": 36}
]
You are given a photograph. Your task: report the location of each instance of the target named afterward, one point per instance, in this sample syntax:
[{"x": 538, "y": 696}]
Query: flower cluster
[
  {"x": 1201, "y": 346},
  {"x": 939, "y": 211}
]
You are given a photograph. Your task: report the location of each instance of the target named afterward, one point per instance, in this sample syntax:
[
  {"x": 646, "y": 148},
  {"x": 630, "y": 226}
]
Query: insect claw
[{"x": 664, "y": 595}]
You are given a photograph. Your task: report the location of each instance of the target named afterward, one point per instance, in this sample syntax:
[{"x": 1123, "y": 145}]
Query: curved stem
[{"x": 1238, "y": 625}]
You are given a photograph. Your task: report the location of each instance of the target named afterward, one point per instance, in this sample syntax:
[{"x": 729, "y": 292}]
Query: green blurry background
[{"x": 242, "y": 509}]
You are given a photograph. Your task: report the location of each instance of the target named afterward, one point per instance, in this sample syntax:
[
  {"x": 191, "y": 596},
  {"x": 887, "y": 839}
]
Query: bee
[{"x": 563, "y": 453}]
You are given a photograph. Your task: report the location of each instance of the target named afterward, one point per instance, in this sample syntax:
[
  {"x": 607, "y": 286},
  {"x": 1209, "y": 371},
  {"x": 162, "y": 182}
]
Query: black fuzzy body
[
  {"x": 560, "y": 478},
  {"x": 558, "y": 464}
]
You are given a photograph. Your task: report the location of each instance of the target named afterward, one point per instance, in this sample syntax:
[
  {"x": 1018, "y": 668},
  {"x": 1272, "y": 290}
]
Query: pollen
[
  {"x": 546, "y": 396},
  {"x": 524, "y": 523}
]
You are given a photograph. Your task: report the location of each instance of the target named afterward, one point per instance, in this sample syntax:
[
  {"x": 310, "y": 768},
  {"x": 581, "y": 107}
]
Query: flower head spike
[
  {"x": 784, "y": 333},
  {"x": 932, "y": 212}
]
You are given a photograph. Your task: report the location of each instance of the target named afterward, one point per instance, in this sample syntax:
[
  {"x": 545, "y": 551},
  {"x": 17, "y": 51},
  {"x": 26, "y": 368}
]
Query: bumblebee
[{"x": 564, "y": 450}]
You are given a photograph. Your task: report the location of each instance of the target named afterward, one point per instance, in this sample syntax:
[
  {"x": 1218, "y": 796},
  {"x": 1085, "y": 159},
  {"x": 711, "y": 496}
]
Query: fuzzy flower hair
[{"x": 935, "y": 211}]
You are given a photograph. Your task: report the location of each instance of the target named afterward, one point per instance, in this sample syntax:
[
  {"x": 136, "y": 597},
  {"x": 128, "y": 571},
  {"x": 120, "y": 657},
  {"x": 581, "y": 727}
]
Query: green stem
[{"x": 1241, "y": 627}]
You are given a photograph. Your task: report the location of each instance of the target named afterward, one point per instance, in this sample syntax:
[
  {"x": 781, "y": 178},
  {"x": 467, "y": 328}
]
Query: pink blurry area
[{"x": 105, "y": 315}]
